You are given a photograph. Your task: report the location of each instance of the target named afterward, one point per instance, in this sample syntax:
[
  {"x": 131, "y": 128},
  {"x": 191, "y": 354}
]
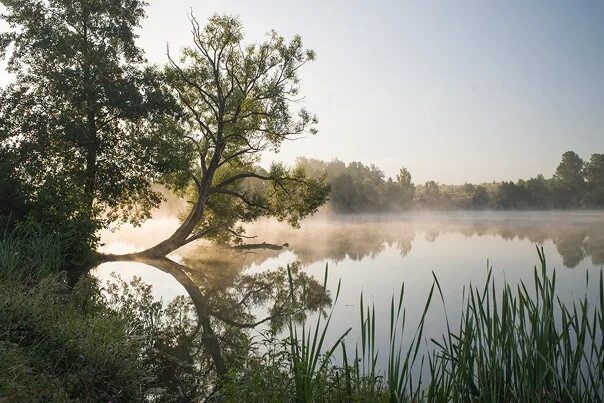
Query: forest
[{"x": 358, "y": 188}]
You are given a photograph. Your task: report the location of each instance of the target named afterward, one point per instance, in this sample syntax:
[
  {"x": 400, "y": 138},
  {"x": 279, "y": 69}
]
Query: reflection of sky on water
[{"x": 165, "y": 287}]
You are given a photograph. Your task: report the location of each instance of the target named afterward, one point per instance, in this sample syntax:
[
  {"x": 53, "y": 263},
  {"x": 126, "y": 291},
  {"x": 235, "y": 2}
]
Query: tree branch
[
  {"x": 235, "y": 178},
  {"x": 243, "y": 199}
]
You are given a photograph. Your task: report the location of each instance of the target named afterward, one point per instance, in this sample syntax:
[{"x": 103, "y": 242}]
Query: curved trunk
[{"x": 180, "y": 237}]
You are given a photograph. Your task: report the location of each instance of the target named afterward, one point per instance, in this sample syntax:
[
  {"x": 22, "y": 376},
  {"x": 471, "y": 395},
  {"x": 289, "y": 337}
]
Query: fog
[{"x": 577, "y": 235}]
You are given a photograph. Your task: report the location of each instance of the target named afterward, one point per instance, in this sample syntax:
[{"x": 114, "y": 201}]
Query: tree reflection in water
[{"x": 192, "y": 342}]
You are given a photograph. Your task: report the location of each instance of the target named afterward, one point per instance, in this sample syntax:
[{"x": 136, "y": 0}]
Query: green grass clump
[
  {"x": 522, "y": 345},
  {"x": 24, "y": 378},
  {"x": 512, "y": 344}
]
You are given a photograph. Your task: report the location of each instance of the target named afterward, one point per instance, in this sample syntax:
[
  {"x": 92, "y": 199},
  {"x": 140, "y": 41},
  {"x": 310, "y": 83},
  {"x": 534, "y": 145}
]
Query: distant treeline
[{"x": 359, "y": 188}]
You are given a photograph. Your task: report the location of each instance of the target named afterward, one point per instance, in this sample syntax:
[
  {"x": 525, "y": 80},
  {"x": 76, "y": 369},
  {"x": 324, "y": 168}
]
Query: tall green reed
[
  {"x": 523, "y": 345},
  {"x": 28, "y": 252},
  {"x": 309, "y": 360},
  {"x": 513, "y": 343}
]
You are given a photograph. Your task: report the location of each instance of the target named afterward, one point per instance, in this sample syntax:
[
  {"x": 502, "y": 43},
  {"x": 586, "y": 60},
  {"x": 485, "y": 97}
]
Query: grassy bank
[{"x": 58, "y": 343}]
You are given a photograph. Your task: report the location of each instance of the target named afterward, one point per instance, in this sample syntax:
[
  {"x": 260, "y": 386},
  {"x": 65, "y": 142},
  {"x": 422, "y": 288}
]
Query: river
[{"x": 376, "y": 254}]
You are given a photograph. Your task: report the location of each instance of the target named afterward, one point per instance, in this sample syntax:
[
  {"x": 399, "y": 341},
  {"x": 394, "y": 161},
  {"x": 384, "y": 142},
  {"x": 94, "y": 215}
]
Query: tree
[
  {"x": 345, "y": 197},
  {"x": 469, "y": 188},
  {"x": 405, "y": 186},
  {"x": 594, "y": 170},
  {"x": 569, "y": 179},
  {"x": 238, "y": 102},
  {"x": 480, "y": 197},
  {"x": 594, "y": 175},
  {"x": 537, "y": 192},
  {"x": 431, "y": 191},
  {"x": 510, "y": 195},
  {"x": 84, "y": 113},
  {"x": 13, "y": 195},
  {"x": 570, "y": 170}
]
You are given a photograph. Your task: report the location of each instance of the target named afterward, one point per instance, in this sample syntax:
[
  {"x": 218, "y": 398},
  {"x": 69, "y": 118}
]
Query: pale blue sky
[{"x": 453, "y": 90}]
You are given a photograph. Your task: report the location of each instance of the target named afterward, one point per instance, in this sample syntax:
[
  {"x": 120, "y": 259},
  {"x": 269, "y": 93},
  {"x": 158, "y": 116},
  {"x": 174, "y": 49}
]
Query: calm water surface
[{"x": 376, "y": 254}]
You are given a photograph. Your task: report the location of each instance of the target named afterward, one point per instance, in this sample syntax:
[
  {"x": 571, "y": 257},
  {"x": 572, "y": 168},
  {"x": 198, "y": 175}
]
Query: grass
[
  {"x": 307, "y": 349},
  {"x": 27, "y": 253},
  {"x": 519, "y": 344},
  {"x": 58, "y": 343},
  {"x": 514, "y": 343}
]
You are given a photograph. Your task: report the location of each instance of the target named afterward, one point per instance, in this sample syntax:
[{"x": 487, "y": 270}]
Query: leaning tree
[{"x": 240, "y": 101}]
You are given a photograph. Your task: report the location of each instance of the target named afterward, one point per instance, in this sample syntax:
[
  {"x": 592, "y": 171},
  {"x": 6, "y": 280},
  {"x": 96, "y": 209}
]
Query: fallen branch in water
[{"x": 262, "y": 245}]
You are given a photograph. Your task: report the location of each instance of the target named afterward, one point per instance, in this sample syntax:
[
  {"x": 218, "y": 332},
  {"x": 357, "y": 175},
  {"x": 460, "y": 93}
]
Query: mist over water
[
  {"x": 576, "y": 235},
  {"x": 375, "y": 254}
]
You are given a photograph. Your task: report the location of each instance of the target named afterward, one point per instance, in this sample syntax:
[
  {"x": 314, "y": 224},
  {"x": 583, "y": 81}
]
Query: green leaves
[
  {"x": 240, "y": 94},
  {"x": 239, "y": 100},
  {"x": 85, "y": 118},
  {"x": 249, "y": 192}
]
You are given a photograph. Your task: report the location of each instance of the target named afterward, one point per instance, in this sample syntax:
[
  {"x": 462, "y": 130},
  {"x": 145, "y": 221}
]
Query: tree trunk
[
  {"x": 180, "y": 237},
  {"x": 91, "y": 157}
]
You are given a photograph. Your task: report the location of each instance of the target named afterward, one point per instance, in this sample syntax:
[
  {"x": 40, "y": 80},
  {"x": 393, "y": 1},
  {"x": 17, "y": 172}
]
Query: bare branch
[{"x": 207, "y": 97}]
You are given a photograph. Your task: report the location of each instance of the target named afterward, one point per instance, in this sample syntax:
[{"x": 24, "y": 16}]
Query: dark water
[{"x": 376, "y": 254}]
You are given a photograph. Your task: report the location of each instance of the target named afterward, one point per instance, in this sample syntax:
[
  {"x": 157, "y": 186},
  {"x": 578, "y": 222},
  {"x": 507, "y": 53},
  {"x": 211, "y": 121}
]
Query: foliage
[
  {"x": 239, "y": 100},
  {"x": 64, "y": 221},
  {"x": 569, "y": 178},
  {"x": 480, "y": 197},
  {"x": 23, "y": 379},
  {"x": 13, "y": 195},
  {"x": 356, "y": 188},
  {"x": 85, "y": 122},
  {"x": 431, "y": 192},
  {"x": 594, "y": 176},
  {"x": 285, "y": 193}
]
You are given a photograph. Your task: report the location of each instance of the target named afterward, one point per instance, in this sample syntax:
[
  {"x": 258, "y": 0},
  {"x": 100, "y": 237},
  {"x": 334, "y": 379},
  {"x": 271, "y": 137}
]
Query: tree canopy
[
  {"x": 84, "y": 120},
  {"x": 89, "y": 127},
  {"x": 239, "y": 100}
]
